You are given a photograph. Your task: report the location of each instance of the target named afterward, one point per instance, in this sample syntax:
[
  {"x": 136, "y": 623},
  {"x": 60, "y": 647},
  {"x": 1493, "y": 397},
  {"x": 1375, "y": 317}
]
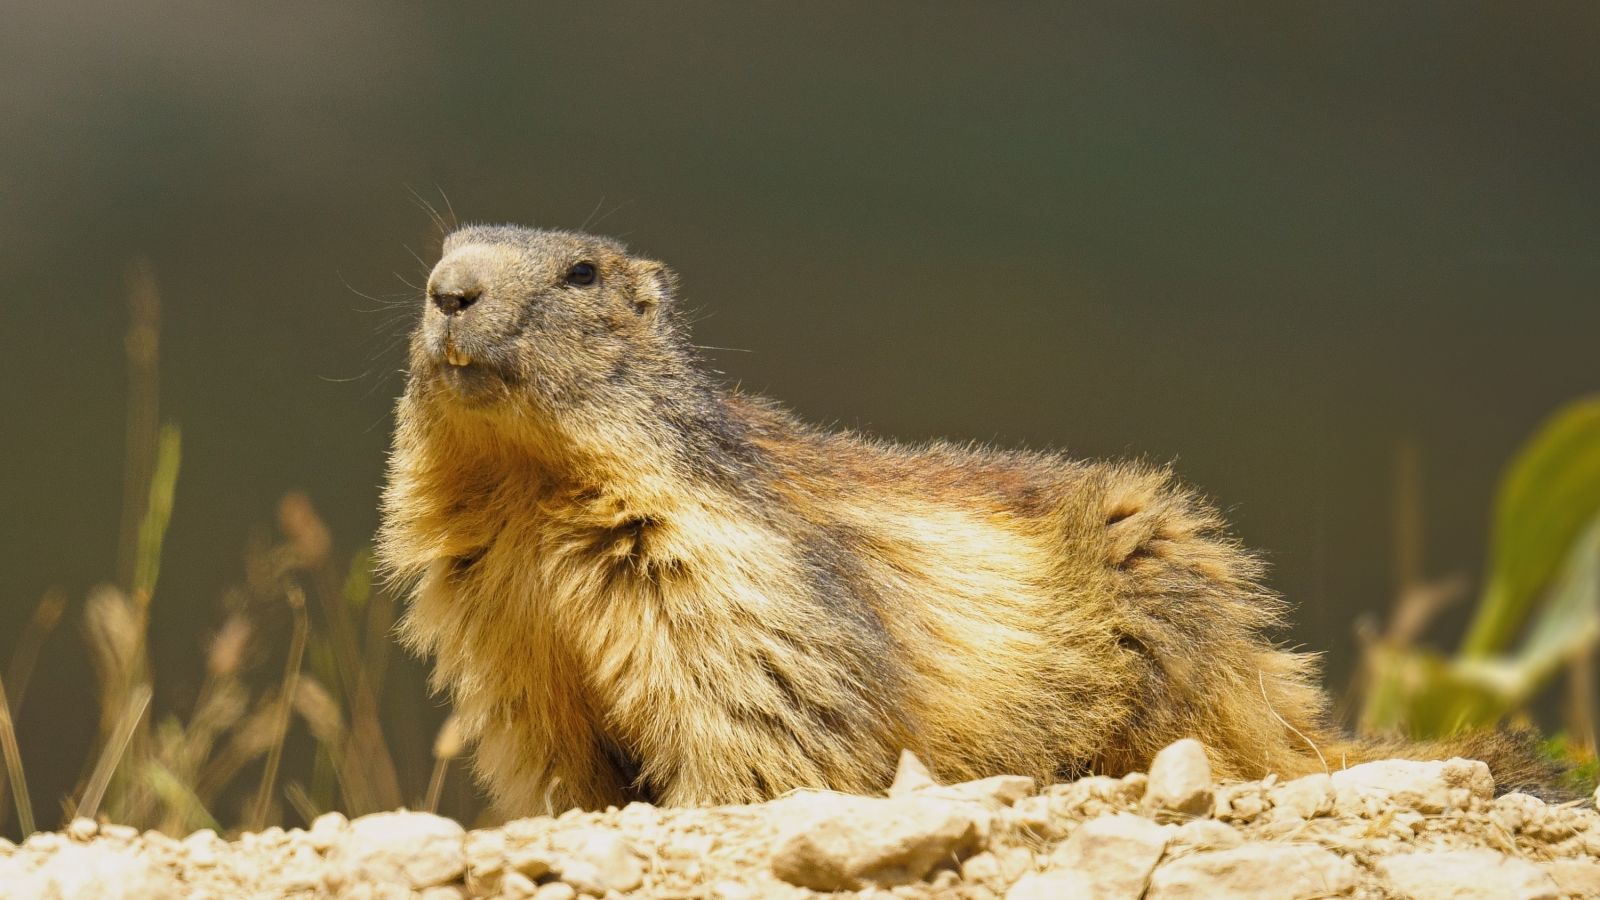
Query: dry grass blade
[
  {"x": 446, "y": 746},
  {"x": 142, "y": 342},
  {"x": 138, "y": 702},
  {"x": 179, "y": 798},
  {"x": 291, "y": 675},
  {"x": 44, "y": 621},
  {"x": 251, "y": 738},
  {"x": 301, "y": 801},
  {"x": 299, "y": 521},
  {"x": 19, "y": 785}
]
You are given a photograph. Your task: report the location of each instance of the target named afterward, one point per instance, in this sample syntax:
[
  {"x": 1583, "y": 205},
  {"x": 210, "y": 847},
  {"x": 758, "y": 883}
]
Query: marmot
[{"x": 641, "y": 584}]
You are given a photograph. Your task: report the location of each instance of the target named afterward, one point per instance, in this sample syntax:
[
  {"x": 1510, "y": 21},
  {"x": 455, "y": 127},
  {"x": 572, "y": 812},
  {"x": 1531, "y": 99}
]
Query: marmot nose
[
  {"x": 457, "y": 283},
  {"x": 451, "y": 303}
]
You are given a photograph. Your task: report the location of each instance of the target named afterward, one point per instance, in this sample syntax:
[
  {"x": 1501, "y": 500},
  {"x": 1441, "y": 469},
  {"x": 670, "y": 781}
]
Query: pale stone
[
  {"x": 1578, "y": 878},
  {"x": 1254, "y": 872},
  {"x": 533, "y": 862},
  {"x": 416, "y": 850},
  {"x": 1114, "y": 855},
  {"x": 602, "y": 862},
  {"x": 517, "y": 886},
  {"x": 1428, "y": 787},
  {"x": 87, "y": 872},
  {"x": 82, "y": 829},
  {"x": 1467, "y": 875},
  {"x": 838, "y": 842},
  {"x": 1180, "y": 782},
  {"x": 911, "y": 776},
  {"x": 1054, "y": 885},
  {"x": 121, "y": 833},
  {"x": 555, "y": 890},
  {"x": 202, "y": 847},
  {"x": 1306, "y": 797},
  {"x": 583, "y": 876},
  {"x": 442, "y": 892},
  {"x": 1205, "y": 834},
  {"x": 1032, "y": 814},
  {"x": 326, "y": 830},
  {"x": 732, "y": 890},
  {"x": 1000, "y": 790},
  {"x": 304, "y": 870}
]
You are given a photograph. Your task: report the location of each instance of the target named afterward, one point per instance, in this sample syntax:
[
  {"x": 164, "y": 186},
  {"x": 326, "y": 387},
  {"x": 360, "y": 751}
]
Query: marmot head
[{"x": 553, "y": 324}]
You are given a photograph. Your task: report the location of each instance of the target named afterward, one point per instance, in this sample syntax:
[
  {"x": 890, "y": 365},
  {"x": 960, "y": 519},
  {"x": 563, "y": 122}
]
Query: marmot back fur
[{"x": 640, "y": 584}]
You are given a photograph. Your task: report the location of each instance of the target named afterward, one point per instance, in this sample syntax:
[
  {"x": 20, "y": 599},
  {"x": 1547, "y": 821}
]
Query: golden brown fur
[{"x": 637, "y": 583}]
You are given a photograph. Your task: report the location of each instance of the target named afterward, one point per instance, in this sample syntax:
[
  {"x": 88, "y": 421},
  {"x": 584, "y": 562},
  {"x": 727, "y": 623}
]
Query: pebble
[
  {"x": 911, "y": 776},
  {"x": 1205, "y": 834},
  {"x": 1467, "y": 875},
  {"x": 1254, "y": 872},
  {"x": 1113, "y": 855},
  {"x": 87, "y": 872},
  {"x": 1578, "y": 878},
  {"x": 326, "y": 830},
  {"x": 839, "y": 842},
  {"x": 1428, "y": 787},
  {"x": 555, "y": 890},
  {"x": 82, "y": 829},
  {"x": 1419, "y": 830},
  {"x": 515, "y": 885},
  {"x": 414, "y": 850},
  {"x": 1179, "y": 785}
]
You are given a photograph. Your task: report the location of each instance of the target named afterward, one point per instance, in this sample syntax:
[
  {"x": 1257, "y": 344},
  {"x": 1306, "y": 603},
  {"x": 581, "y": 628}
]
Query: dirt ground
[{"x": 1381, "y": 830}]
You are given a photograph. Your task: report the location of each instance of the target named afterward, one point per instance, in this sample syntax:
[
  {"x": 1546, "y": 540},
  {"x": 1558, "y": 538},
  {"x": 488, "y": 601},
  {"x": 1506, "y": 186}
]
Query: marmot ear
[{"x": 653, "y": 285}]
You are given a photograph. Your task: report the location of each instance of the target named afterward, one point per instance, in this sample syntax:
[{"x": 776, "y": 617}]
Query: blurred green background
[{"x": 1269, "y": 242}]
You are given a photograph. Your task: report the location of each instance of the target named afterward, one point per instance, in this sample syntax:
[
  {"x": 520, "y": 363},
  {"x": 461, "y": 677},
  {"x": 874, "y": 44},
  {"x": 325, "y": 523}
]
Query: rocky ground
[{"x": 1381, "y": 830}]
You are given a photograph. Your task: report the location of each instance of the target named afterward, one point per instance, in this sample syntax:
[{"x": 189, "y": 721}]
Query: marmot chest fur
[{"x": 639, "y": 584}]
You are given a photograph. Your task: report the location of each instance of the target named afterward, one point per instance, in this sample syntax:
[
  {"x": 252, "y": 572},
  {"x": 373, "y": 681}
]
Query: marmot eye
[{"x": 581, "y": 274}]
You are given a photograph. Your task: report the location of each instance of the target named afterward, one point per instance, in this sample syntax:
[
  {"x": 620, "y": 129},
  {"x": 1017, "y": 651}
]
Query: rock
[
  {"x": 1062, "y": 885},
  {"x": 87, "y": 872},
  {"x": 555, "y": 890},
  {"x": 121, "y": 833},
  {"x": 326, "y": 830},
  {"x": 600, "y": 862},
  {"x": 997, "y": 869},
  {"x": 583, "y": 876},
  {"x": 1576, "y": 877},
  {"x": 82, "y": 829},
  {"x": 839, "y": 842},
  {"x": 1428, "y": 787},
  {"x": 1306, "y": 797},
  {"x": 1180, "y": 783},
  {"x": 1112, "y": 855},
  {"x": 1467, "y": 875},
  {"x": 1205, "y": 834},
  {"x": 532, "y": 861},
  {"x": 415, "y": 850},
  {"x": 1254, "y": 872},
  {"x": 1032, "y": 814},
  {"x": 910, "y": 776},
  {"x": 1000, "y": 790},
  {"x": 517, "y": 886},
  {"x": 202, "y": 847}
]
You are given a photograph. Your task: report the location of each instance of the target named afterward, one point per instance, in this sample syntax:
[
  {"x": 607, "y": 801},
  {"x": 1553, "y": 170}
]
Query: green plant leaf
[
  {"x": 153, "y": 530},
  {"x": 1549, "y": 493}
]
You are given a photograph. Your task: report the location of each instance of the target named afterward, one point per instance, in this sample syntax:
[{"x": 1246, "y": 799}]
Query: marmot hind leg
[{"x": 1191, "y": 613}]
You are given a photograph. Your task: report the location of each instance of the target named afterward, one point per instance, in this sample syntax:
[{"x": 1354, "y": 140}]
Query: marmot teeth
[{"x": 456, "y": 357}]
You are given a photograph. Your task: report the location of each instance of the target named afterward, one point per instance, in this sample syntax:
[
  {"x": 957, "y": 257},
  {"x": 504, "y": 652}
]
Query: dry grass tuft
[{"x": 318, "y": 730}]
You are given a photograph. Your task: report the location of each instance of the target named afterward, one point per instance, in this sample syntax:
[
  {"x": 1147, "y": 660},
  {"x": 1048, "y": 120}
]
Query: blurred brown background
[{"x": 1267, "y": 242}]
